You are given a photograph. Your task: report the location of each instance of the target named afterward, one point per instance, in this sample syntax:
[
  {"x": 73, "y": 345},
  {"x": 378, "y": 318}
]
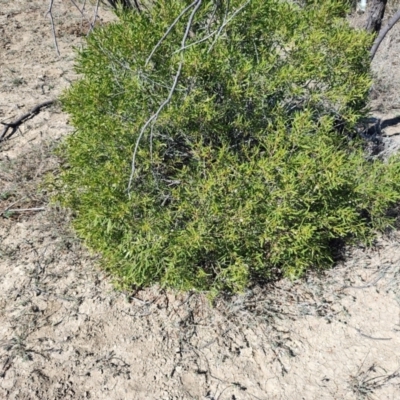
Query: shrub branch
[
  {"x": 150, "y": 122},
  {"x": 167, "y": 32},
  {"x": 50, "y": 14},
  {"x": 383, "y": 33},
  {"x": 154, "y": 117}
]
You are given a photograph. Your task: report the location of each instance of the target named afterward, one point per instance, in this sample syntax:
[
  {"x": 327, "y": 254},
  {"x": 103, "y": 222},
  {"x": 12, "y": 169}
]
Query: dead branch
[
  {"x": 217, "y": 32},
  {"x": 169, "y": 30},
  {"x": 96, "y": 10},
  {"x": 13, "y": 126},
  {"x": 81, "y": 11},
  {"x": 376, "y": 14},
  {"x": 151, "y": 121},
  {"x": 50, "y": 14},
  {"x": 153, "y": 118},
  {"x": 383, "y": 33},
  {"x": 76, "y": 6},
  {"x": 22, "y": 210},
  {"x": 226, "y": 21}
]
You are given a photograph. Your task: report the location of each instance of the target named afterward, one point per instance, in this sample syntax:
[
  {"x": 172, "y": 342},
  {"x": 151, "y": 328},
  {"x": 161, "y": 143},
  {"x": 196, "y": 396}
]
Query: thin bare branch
[
  {"x": 216, "y": 32},
  {"x": 154, "y": 117},
  {"x": 169, "y": 30},
  {"x": 20, "y": 210},
  {"x": 96, "y": 9},
  {"x": 12, "y": 204},
  {"x": 81, "y": 11},
  {"x": 50, "y": 13},
  {"x": 227, "y": 22}
]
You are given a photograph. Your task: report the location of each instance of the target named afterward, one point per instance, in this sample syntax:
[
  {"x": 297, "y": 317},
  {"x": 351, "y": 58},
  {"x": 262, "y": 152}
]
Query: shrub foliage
[{"x": 250, "y": 170}]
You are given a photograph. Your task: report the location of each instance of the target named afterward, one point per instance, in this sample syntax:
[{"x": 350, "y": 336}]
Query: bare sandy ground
[{"x": 65, "y": 333}]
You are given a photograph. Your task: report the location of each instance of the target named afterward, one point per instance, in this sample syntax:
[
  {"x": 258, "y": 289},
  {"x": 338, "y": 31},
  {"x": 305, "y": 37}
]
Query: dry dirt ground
[{"x": 66, "y": 334}]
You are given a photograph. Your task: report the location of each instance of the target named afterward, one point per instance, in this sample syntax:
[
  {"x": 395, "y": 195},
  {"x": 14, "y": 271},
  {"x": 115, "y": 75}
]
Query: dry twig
[
  {"x": 153, "y": 118},
  {"x": 383, "y": 33},
  {"x": 23, "y": 118},
  {"x": 96, "y": 10},
  {"x": 50, "y": 14}
]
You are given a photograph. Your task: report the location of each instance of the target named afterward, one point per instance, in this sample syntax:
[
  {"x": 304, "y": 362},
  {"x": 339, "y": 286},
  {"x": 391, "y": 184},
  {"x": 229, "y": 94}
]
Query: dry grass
[
  {"x": 20, "y": 180},
  {"x": 368, "y": 380}
]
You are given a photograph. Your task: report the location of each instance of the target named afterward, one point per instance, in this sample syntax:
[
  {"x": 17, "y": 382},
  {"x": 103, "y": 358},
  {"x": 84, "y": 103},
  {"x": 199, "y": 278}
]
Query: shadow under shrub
[{"x": 251, "y": 169}]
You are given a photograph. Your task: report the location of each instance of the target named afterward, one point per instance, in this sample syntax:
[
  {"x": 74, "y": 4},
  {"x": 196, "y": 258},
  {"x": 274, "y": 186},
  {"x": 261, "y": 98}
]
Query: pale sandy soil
[{"x": 66, "y": 334}]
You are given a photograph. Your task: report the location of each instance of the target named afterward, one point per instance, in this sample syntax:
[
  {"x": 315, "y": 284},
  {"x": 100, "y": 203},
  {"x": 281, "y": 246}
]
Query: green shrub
[{"x": 251, "y": 169}]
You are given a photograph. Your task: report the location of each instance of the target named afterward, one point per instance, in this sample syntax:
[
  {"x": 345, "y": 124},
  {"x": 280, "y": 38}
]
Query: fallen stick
[
  {"x": 383, "y": 32},
  {"x": 17, "y": 210},
  {"x": 13, "y": 126}
]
